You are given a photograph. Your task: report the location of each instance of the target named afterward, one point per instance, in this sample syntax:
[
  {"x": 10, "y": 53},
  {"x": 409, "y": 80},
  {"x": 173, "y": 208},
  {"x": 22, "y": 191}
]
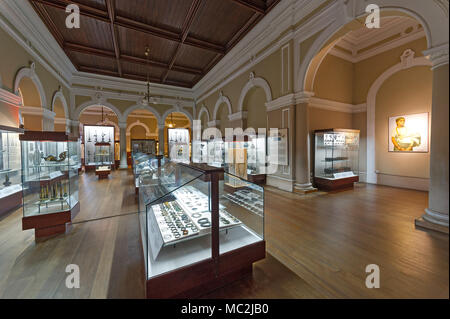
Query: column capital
[
  {"x": 242, "y": 115},
  {"x": 123, "y": 125},
  {"x": 437, "y": 55},
  {"x": 161, "y": 126},
  {"x": 303, "y": 97}
]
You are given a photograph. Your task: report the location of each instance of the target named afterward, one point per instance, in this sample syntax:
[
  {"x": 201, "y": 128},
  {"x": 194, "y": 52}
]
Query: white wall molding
[
  {"x": 222, "y": 99},
  {"x": 238, "y": 116},
  {"x": 254, "y": 82},
  {"x": 77, "y": 112},
  {"x": 37, "y": 111},
  {"x": 59, "y": 95},
  {"x": 289, "y": 100},
  {"x": 30, "y": 72},
  {"x": 139, "y": 123},
  {"x": 10, "y": 98},
  {"x": 336, "y": 106},
  {"x": 438, "y": 56},
  {"x": 167, "y": 113},
  {"x": 371, "y": 104},
  {"x": 214, "y": 123},
  {"x": 418, "y": 183},
  {"x": 143, "y": 107},
  {"x": 203, "y": 109}
]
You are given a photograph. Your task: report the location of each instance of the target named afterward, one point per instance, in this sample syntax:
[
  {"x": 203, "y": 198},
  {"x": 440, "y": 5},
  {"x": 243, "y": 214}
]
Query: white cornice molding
[
  {"x": 33, "y": 110},
  {"x": 289, "y": 100},
  {"x": 438, "y": 56},
  {"x": 395, "y": 43},
  {"x": 10, "y": 98},
  {"x": 335, "y": 106},
  {"x": 214, "y": 123},
  {"x": 238, "y": 116}
]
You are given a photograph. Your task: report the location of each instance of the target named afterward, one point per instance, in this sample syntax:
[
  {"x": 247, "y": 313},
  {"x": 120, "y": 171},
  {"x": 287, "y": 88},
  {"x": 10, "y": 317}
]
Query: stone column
[
  {"x": 302, "y": 144},
  {"x": 436, "y": 215},
  {"x": 48, "y": 120},
  {"x": 123, "y": 145},
  {"x": 161, "y": 138}
]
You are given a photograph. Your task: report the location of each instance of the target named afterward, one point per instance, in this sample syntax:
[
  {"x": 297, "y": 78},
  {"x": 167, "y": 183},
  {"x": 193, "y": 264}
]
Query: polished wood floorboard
[
  {"x": 318, "y": 246},
  {"x": 328, "y": 239}
]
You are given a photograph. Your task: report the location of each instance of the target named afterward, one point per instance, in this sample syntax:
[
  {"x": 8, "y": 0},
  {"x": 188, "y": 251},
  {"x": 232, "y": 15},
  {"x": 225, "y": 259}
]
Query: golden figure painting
[{"x": 408, "y": 133}]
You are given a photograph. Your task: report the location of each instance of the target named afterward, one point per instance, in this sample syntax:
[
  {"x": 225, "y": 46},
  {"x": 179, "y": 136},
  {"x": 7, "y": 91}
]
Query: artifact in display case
[
  {"x": 147, "y": 146},
  {"x": 179, "y": 144},
  {"x": 236, "y": 164},
  {"x": 95, "y": 134},
  {"x": 145, "y": 164},
  {"x": 102, "y": 160},
  {"x": 10, "y": 169},
  {"x": 216, "y": 152},
  {"x": 336, "y": 158},
  {"x": 199, "y": 151},
  {"x": 196, "y": 228},
  {"x": 50, "y": 162}
]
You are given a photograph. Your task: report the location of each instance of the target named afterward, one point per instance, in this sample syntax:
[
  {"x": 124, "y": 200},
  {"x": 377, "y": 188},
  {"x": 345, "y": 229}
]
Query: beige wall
[
  {"x": 406, "y": 92},
  {"x": 254, "y": 104},
  {"x": 359, "y": 122}
]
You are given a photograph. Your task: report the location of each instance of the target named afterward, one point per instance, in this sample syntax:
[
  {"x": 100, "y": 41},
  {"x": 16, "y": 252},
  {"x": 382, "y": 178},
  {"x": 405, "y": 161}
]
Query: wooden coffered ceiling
[{"x": 186, "y": 37}]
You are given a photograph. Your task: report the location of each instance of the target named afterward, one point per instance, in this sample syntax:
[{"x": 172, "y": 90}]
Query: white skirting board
[
  {"x": 416, "y": 183},
  {"x": 283, "y": 183}
]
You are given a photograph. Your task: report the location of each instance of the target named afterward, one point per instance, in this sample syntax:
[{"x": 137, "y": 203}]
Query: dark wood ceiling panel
[
  {"x": 219, "y": 20},
  {"x": 84, "y": 35},
  {"x": 166, "y": 14},
  {"x": 194, "y": 57},
  {"x": 133, "y": 43},
  {"x": 186, "y": 37}
]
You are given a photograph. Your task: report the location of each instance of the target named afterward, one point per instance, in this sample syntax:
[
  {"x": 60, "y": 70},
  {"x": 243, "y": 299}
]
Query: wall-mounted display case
[
  {"x": 95, "y": 135},
  {"x": 179, "y": 144},
  {"x": 193, "y": 227},
  {"x": 10, "y": 169},
  {"x": 336, "y": 158},
  {"x": 49, "y": 181},
  {"x": 147, "y": 146}
]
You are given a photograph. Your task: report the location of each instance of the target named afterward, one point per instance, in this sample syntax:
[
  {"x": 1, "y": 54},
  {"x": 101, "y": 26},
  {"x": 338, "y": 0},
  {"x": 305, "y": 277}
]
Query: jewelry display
[{"x": 247, "y": 199}]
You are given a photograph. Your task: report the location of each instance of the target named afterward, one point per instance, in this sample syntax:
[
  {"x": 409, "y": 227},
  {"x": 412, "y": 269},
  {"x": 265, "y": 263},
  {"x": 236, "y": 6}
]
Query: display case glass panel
[
  {"x": 100, "y": 135},
  {"x": 147, "y": 146},
  {"x": 10, "y": 167},
  {"x": 179, "y": 142},
  {"x": 241, "y": 215},
  {"x": 199, "y": 152},
  {"x": 336, "y": 154},
  {"x": 256, "y": 154},
  {"x": 49, "y": 176},
  {"x": 216, "y": 152}
]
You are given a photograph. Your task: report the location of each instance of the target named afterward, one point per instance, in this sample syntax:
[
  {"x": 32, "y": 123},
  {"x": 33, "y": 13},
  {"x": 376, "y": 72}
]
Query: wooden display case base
[
  {"x": 50, "y": 224},
  {"x": 89, "y": 168},
  {"x": 259, "y": 179},
  {"x": 10, "y": 202},
  {"x": 335, "y": 184},
  {"x": 102, "y": 174},
  {"x": 200, "y": 278},
  {"x": 231, "y": 188}
]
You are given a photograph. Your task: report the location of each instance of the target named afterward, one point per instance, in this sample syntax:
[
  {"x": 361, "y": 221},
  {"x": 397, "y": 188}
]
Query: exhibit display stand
[
  {"x": 197, "y": 235},
  {"x": 336, "y": 158},
  {"x": 102, "y": 160},
  {"x": 145, "y": 164},
  {"x": 10, "y": 169},
  {"x": 50, "y": 163},
  {"x": 179, "y": 143},
  {"x": 98, "y": 147},
  {"x": 146, "y": 146}
]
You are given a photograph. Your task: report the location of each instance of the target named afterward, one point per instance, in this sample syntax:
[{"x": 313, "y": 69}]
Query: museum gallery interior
[{"x": 224, "y": 148}]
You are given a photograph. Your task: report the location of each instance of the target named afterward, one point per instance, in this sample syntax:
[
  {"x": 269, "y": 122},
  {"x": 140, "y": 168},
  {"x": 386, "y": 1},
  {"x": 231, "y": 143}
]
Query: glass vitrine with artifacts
[
  {"x": 192, "y": 226},
  {"x": 50, "y": 162},
  {"x": 10, "y": 169},
  {"x": 147, "y": 146},
  {"x": 256, "y": 158},
  {"x": 103, "y": 159},
  {"x": 96, "y": 140},
  {"x": 336, "y": 158},
  {"x": 179, "y": 144},
  {"x": 216, "y": 152},
  {"x": 199, "y": 151}
]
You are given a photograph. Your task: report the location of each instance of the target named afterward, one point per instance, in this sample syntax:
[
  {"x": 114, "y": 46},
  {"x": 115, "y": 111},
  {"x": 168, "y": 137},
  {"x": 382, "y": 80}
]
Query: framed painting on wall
[{"x": 408, "y": 133}]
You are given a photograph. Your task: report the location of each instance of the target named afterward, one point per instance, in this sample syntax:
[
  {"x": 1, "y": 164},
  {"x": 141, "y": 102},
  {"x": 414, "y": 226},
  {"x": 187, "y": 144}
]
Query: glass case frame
[
  {"x": 336, "y": 158},
  {"x": 10, "y": 169},
  {"x": 210, "y": 249},
  {"x": 93, "y": 134},
  {"x": 146, "y": 146},
  {"x": 50, "y": 162},
  {"x": 179, "y": 144}
]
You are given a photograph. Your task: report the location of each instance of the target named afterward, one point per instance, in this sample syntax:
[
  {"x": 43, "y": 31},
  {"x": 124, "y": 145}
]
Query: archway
[
  {"x": 142, "y": 124},
  {"x": 175, "y": 120},
  {"x": 60, "y": 108},
  {"x": 254, "y": 106},
  {"x": 32, "y": 111}
]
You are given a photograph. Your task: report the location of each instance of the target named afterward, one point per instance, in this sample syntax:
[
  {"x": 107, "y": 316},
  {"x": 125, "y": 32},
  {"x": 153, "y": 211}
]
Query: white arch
[
  {"x": 82, "y": 107},
  {"x": 110, "y": 123},
  {"x": 371, "y": 104},
  {"x": 143, "y": 107},
  {"x": 139, "y": 123},
  {"x": 222, "y": 99},
  {"x": 432, "y": 15},
  {"x": 31, "y": 74},
  {"x": 203, "y": 109},
  {"x": 59, "y": 95},
  {"x": 167, "y": 113},
  {"x": 254, "y": 82}
]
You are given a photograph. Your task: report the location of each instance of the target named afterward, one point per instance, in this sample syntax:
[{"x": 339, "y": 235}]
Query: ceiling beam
[
  {"x": 112, "y": 17},
  {"x": 250, "y": 6},
  {"x": 49, "y": 22},
  {"x": 131, "y": 24},
  {"x": 242, "y": 31},
  {"x": 193, "y": 9},
  {"x": 75, "y": 47}
]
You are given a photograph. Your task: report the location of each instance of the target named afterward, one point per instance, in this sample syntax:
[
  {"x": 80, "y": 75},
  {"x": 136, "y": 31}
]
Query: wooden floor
[{"x": 318, "y": 246}]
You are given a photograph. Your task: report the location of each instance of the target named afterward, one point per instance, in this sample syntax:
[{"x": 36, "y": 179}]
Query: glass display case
[
  {"x": 145, "y": 164},
  {"x": 199, "y": 151},
  {"x": 103, "y": 159},
  {"x": 94, "y": 137},
  {"x": 50, "y": 162},
  {"x": 336, "y": 158},
  {"x": 147, "y": 146},
  {"x": 179, "y": 142},
  {"x": 10, "y": 169},
  {"x": 216, "y": 152},
  {"x": 192, "y": 226}
]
